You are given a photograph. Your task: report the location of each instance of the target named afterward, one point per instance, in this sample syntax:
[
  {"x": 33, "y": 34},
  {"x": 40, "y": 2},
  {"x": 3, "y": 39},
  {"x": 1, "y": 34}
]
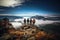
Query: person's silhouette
[
  {"x": 33, "y": 21},
  {"x": 24, "y": 21},
  {"x": 28, "y": 21}
]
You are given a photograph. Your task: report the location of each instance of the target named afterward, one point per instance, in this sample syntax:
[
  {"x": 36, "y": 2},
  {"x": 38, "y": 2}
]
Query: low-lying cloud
[{"x": 11, "y": 3}]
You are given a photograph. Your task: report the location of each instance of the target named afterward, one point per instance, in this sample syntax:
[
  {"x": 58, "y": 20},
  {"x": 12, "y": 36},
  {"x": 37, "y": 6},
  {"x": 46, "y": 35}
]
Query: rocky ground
[{"x": 28, "y": 32}]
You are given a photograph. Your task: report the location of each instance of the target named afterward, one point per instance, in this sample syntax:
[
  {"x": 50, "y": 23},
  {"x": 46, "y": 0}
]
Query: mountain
[
  {"x": 38, "y": 17},
  {"x": 11, "y": 17},
  {"x": 52, "y": 18}
]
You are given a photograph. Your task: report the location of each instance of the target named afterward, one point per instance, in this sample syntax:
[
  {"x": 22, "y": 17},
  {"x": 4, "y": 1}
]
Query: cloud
[
  {"x": 6, "y": 15},
  {"x": 11, "y": 3},
  {"x": 2, "y": 10}
]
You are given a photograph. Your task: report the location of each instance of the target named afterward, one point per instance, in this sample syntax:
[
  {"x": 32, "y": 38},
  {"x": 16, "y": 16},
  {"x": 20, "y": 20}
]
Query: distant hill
[
  {"x": 11, "y": 17},
  {"x": 52, "y": 18},
  {"x": 38, "y": 17},
  {"x": 46, "y": 18}
]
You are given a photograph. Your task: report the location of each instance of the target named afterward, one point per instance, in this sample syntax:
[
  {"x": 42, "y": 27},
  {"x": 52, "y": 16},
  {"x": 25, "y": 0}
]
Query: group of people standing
[{"x": 29, "y": 21}]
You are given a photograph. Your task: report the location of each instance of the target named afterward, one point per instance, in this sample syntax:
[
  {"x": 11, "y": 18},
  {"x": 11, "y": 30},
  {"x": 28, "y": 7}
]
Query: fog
[{"x": 19, "y": 22}]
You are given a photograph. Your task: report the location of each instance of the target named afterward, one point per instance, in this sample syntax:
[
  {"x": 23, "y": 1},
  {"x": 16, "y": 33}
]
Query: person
[
  {"x": 33, "y": 21},
  {"x": 24, "y": 21},
  {"x": 28, "y": 21}
]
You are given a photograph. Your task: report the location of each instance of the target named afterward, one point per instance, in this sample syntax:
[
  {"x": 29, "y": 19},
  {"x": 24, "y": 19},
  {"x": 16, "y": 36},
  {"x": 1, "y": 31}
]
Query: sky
[{"x": 30, "y": 7}]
